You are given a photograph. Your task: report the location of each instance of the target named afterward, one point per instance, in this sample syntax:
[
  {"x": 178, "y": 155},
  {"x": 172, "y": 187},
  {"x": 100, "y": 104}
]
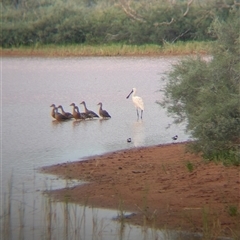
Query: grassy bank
[{"x": 179, "y": 48}]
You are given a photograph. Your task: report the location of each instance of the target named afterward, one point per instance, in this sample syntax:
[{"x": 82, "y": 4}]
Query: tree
[{"x": 205, "y": 92}]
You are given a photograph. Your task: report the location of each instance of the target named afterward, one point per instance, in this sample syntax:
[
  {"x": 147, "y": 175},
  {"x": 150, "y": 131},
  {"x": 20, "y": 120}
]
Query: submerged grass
[
  {"x": 179, "y": 48},
  {"x": 66, "y": 221},
  {"x": 54, "y": 220}
]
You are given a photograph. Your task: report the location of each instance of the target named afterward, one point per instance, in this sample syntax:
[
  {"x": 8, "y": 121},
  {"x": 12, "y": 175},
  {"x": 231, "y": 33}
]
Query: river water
[{"x": 32, "y": 139}]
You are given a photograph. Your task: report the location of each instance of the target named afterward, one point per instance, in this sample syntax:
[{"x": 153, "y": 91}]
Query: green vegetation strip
[{"x": 179, "y": 48}]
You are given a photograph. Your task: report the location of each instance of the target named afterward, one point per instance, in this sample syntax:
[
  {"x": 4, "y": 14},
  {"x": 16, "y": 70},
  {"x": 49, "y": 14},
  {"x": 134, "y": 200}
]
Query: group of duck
[{"x": 76, "y": 114}]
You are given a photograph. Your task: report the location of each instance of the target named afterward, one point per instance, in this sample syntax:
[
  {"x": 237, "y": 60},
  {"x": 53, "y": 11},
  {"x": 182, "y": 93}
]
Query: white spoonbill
[{"x": 137, "y": 101}]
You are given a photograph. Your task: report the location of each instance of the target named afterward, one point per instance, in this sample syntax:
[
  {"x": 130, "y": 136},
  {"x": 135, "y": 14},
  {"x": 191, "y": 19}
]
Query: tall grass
[
  {"x": 56, "y": 220},
  {"x": 75, "y": 50}
]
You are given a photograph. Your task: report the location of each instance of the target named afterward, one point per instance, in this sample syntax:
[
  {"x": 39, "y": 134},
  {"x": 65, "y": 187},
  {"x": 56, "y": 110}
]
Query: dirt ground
[{"x": 164, "y": 185}]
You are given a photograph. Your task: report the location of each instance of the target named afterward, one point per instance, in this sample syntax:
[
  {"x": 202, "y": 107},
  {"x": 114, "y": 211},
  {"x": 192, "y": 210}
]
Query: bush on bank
[{"x": 205, "y": 94}]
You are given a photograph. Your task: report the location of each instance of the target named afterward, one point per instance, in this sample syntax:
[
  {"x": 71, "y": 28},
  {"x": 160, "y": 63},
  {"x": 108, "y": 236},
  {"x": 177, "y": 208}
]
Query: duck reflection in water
[{"x": 57, "y": 123}]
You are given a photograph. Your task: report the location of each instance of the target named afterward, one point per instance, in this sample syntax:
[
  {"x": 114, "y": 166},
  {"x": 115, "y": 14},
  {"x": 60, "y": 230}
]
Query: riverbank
[
  {"x": 164, "y": 185},
  {"x": 81, "y": 50}
]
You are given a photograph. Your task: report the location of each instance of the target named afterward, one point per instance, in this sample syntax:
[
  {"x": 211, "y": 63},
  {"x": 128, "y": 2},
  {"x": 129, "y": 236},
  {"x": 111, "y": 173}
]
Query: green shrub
[{"x": 205, "y": 94}]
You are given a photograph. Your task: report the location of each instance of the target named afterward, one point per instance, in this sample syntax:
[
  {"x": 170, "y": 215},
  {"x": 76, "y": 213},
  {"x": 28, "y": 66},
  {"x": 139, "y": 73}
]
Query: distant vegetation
[
  {"x": 31, "y": 22},
  {"x": 114, "y": 49}
]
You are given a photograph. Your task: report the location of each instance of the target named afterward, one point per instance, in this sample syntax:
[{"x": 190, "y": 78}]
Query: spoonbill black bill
[
  {"x": 90, "y": 113},
  {"x": 103, "y": 113},
  {"x": 137, "y": 101}
]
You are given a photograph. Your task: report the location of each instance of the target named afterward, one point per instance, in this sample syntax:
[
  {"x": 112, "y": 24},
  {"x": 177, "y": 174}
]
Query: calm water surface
[{"x": 32, "y": 139}]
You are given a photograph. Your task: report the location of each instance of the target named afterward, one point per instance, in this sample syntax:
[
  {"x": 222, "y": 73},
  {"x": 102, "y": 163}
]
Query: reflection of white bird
[
  {"x": 137, "y": 101},
  {"x": 138, "y": 131}
]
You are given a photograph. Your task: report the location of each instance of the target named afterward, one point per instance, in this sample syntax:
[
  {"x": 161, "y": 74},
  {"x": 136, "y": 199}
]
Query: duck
[
  {"x": 90, "y": 113},
  {"x": 58, "y": 116},
  {"x": 66, "y": 114},
  {"x": 53, "y": 110},
  {"x": 103, "y": 113},
  {"x": 76, "y": 114},
  {"x": 83, "y": 115}
]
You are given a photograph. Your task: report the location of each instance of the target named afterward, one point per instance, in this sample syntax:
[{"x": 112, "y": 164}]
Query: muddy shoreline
[{"x": 166, "y": 186}]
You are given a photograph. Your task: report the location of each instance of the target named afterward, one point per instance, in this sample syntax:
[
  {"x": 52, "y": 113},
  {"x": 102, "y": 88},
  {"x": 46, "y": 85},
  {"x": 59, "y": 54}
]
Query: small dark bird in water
[
  {"x": 129, "y": 140},
  {"x": 175, "y": 137}
]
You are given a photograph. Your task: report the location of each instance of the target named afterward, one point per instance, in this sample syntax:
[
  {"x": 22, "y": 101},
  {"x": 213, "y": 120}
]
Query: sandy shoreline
[{"x": 164, "y": 185}]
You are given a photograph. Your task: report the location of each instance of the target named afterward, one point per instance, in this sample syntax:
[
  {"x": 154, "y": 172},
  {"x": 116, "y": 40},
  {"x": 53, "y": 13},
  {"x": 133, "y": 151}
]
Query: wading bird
[
  {"x": 90, "y": 113},
  {"x": 103, "y": 113},
  {"x": 137, "y": 101}
]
